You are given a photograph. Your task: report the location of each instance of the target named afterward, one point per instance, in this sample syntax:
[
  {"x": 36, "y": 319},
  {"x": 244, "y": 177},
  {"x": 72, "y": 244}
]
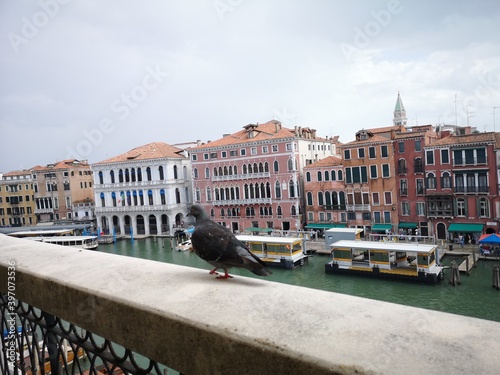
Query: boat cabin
[
  {"x": 402, "y": 261},
  {"x": 284, "y": 252}
]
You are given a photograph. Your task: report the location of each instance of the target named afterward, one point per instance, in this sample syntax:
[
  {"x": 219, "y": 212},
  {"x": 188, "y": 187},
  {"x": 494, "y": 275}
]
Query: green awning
[
  {"x": 255, "y": 229},
  {"x": 381, "y": 227},
  {"x": 465, "y": 228},
  {"x": 325, "y": 226},
  {"x": 404, "y": 225}
]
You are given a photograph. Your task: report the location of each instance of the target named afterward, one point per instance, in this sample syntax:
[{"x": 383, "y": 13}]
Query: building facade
[
  {"x": 325, "y": 193},
  {"x": 461, "y": 177},
  {"x": 17, "y": 199},
  {"x": 144, "y": 191},
  {"x": 59, "y": 190},
  {"x": 253, "y": 178}
]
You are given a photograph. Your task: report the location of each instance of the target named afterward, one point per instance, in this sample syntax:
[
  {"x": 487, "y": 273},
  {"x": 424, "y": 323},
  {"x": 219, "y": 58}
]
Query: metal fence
[{"x": 37, "y": 343}]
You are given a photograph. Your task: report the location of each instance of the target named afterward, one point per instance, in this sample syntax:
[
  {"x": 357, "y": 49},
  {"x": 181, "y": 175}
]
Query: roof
[
  {"x": 453, "y": 140},
  {"x": 266, "y": 131},
  {"x": 268, "y": 239},
  {"x": 63, "y": 164},
  {"x": 388, "y": 246},
  {"x": 374, "y": 139},
  {"x": 329, "y": 161},
  {"x": 17, "y": 173},
  {"x": 154, "y": 150},
  {"x": 399, "y": 105}
]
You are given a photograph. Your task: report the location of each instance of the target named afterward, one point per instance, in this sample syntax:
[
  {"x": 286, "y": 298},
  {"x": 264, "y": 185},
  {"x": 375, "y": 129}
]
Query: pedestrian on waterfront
[{"x": 462, "y": 241}]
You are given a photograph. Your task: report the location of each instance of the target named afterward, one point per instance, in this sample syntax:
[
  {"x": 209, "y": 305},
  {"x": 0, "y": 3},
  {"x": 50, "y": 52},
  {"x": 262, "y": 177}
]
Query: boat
[
  {"x": 283, "y": 252},
  {"x": 184, "y": 246},
  {"x": 397, "y": 261},
  {"x": 81, "y": 242}
]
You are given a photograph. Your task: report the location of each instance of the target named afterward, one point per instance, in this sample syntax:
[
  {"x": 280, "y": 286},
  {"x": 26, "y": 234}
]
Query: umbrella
[{"x": 491, "y": 238}]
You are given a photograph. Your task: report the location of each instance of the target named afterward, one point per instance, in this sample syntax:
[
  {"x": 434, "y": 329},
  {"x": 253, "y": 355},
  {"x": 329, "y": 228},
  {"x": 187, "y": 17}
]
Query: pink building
[{"x": 253, "y": 178}]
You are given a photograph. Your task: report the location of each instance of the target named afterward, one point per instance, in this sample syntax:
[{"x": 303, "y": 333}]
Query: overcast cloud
[{"x": 93, "y": 79}]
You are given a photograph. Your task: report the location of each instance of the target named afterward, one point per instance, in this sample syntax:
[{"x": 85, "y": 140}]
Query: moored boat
[
  {"x": 283, "y": 252},
  {"x": 184, "y": 246},
  {"x": 398, "y": 261},
  {"x": 82, "y": 242}
]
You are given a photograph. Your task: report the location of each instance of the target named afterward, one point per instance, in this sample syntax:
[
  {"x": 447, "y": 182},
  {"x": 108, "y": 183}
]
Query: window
[
  {"x": 418, "y": 146},
  {"x": 233, "y": 153},
  {"x": 420, "y": 208},
  {"x": 371, "y": 152},
  {"x": 384, "y": 151},
  {"x": 376, "y": 216},
  {"x": 320, "y": 175},
  {"x": 310, "y": 216},
  {"x": 223, "y": 154},
  {"x": 243, "y": 152},
  {"x": 484, "y": 207},
  {"x": 274, "y": 148},
  {"x": 403, "y": 187},
  {"x": 429, "y": 157},
  {"x": 481, "y": 155},
  {"x": 387, "y": 216},
  {"x": 461, "y": 207},
  {"x": 276, "y": 166},
  {"x": 308, "y": 176},
  {"x": 213, "y": 155},
  {"x": 373, "y": 171},
  {"x": 265, "y": 149},
  {"x": 446, "y": 181},
  {"x": 385, "y": 171},
  {"x": 205, "y": 156},
  {"x": 401, "y": 147},
  {"x": 309, "y": 198},
  {"x": 388, "y": 198},
  {"x": 289, "y": 147},
  {"x": 418, "y": 165},
  {"x": 405, "y": 208},
  {"x": 361, "y": 153},
  {"x": 375, "y": 199},
  {"x": 445, "y": 157},
  {"x": 253, "y": 150},
  {"x": 347, "y": 154},
  {"x": 431, "y": 181}
]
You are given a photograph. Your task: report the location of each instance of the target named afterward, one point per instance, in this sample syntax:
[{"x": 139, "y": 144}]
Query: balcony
[
  {"x": 403, "y": 192},
  {"x": 418, "y": 169},
  {"x": 471, "y": 189},
  {"x": 357, "y": 207},
  {"x": 242, "y": 202},
  {"x": 44, "y": 210},
  {"x": 402, "y": 170},
  {"x": 186, "y": 319},
  {"x": 235, "y": 177}
]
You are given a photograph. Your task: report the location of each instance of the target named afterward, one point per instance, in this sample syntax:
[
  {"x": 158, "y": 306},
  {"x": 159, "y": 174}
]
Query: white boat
[
  {"x": 389, "y": 260},
  {"x": 184, "y": 246},
  {"x": 284, "y": 252},
  {"x": 82, "y": 242}
]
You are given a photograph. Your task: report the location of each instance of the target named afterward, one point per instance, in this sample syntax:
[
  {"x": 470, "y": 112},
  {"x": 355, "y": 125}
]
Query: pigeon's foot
[
  {"x": 214, "y": 272},
  {"x": 225, "y": 276}
]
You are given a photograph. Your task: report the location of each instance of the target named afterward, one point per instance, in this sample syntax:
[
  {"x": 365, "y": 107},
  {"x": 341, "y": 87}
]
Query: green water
[{"x": 475, "y": 296}]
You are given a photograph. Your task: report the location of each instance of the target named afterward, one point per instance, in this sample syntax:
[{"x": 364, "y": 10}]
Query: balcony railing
[
  {"x": 186, "y": 319},
  {"x": 236, "y": 202},
  {"x": 471, "y": 189},
  {"x": 403, "y": 192},
  {"x": 248, "y": 176},
  {"x": 418, "y": 169},
  {"x": 402, "y": 170},
  {"x": 357, "y": 207}
]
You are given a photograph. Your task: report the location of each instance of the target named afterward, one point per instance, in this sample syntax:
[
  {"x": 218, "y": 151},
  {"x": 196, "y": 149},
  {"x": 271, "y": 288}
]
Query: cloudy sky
[{"x": 93, "y": 79}]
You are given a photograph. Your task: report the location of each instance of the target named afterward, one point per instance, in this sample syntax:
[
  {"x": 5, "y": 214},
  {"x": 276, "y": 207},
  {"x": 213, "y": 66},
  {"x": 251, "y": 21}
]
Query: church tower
[{"x": 399, "y": 112}]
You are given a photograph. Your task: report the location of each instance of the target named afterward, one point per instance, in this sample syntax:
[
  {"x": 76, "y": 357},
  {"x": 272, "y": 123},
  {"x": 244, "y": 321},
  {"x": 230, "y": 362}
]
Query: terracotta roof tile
[
  {"x": 154, "y": 150},
  {"x": 329, "y": 161},
  {"x": 464, "y": 139},
  {"x": 17, "y": 173},
  {"x": 373, "y": 139},
  {"x": 63, "y": 164}
]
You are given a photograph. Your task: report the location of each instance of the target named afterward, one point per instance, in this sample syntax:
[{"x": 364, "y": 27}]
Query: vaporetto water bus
[
  {"x": 283, "y": 252},
  {"x": 81, "y": 242},
  {"x": 387, "y": 260}
]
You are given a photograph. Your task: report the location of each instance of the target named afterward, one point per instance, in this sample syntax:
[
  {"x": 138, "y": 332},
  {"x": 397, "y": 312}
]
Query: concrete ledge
[{"x": 184, "y": 318}]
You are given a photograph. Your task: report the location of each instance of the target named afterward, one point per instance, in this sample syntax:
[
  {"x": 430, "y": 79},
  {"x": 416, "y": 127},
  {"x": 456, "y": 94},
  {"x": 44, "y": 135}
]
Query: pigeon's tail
[{"x": 262, "y": 271}]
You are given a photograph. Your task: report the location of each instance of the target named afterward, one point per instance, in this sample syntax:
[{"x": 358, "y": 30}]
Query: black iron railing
[{"x": 35, "y": 342}]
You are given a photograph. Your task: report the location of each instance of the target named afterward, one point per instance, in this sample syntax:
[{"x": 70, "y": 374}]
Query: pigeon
[{"x": 218, "y": 246}]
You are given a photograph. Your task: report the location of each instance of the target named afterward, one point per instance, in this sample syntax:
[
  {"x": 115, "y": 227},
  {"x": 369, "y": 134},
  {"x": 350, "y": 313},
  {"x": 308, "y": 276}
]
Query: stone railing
[{"x": 186, "y": 319}]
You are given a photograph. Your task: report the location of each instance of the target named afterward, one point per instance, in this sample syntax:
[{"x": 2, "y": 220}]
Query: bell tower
[{"x": 399, "y": 112}]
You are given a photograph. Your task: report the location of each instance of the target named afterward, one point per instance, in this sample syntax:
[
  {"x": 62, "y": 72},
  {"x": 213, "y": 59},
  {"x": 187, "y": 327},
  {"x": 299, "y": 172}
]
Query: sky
[{"x": 93, "y": 79}]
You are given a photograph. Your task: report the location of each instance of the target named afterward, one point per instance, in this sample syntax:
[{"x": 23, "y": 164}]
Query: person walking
[{"x": 462, "y": 241}]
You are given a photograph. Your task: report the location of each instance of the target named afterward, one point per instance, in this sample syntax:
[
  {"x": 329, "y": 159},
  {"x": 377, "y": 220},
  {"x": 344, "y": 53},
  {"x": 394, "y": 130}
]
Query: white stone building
[{"x": 144, "y": 191}]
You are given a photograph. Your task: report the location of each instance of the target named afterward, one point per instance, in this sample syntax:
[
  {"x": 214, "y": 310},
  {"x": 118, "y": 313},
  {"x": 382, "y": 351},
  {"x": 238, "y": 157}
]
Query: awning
[
  {"x": 408, "y": 225},
  {"x": 256, "y": 229},
  {"x": 381, "y": 227},
  {"x": 465, "y": 228},
  {"x": 325, "y": 226}
]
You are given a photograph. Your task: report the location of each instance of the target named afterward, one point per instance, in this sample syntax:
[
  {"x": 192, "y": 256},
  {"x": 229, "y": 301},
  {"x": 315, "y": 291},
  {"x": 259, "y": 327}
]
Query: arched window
[
  {"x": 334, "y": 175},
  {"x": 278, "y": 190},
  {"x": 195, "y": 173},
  {"x": 328, "y": 199},
  {"x": 120, "y": 175},
  {"x": 148, "y": 174},
  {"x": 215, "y": 172},
  {"x": 320, "y": 176},
  {"x": 139, "y": 174},
  {"x": 112, "y": 176},
  {"x": 327, "y": 176},
  {"x": 197, "y": 194},
  {"x": 175, "y": 174},
  {"x": 101, "y": 178},
  {"x": 431, "y": 181},
  {"x": 484, "y": 207},
  {"x": 276, "y": 166},
  {"x": 127, "y": 175},
  {"x": 150, "y": 197},
  {"x": 141, "y": 197},
  {"x": 308, "y": 176},
  {"x": 177, "y": 196},
  {"x": 320, "y": 199},
  {"x": 309, "y": 198},
  {"x": 291, "y": 189},
  {"x": 279, "y": 212},
  {"x": 244, "y": 169},
  {"x": 160, "y": 171},
  {"x": 103, "y": 201},
  {"x": 266, "y": 167},
  {"x": 290, "y": 164},
  {"x": 340, "y": 178},
  {"x": 113, "y": 198},
  {"x": 209, "y": 194},
  {"x": 293, "y": 211}
]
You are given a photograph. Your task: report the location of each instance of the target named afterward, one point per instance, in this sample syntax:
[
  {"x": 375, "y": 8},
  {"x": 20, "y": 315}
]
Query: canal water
[{"x": 474, "y": 297}]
